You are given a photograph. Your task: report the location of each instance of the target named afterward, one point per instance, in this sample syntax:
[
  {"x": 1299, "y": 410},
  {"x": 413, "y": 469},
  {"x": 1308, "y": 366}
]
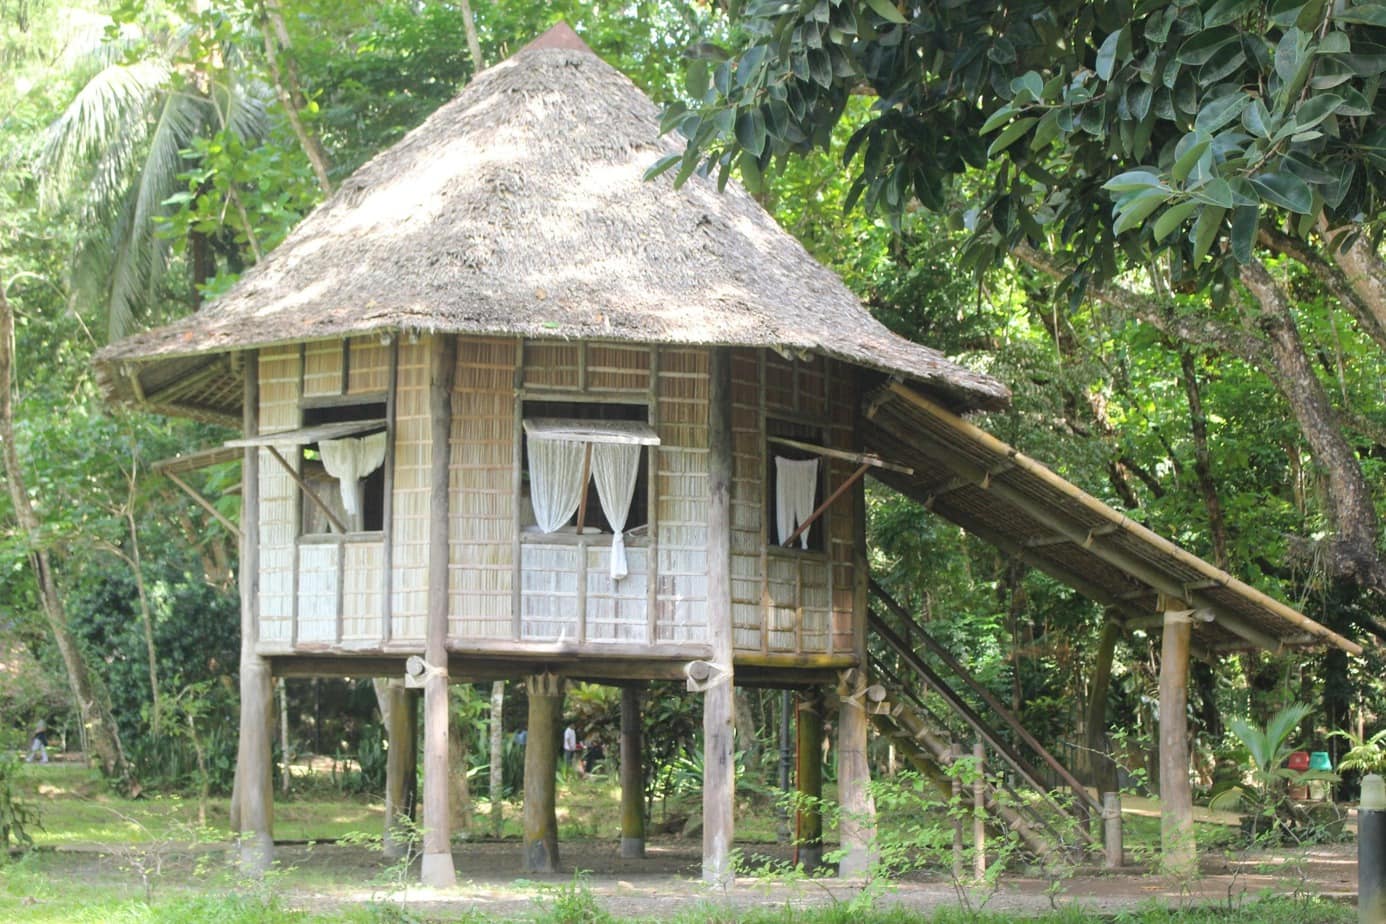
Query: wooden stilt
[
  {"x": 979, "y": 813},
  {"x": 809, "y": 824},
  {"x": 857, "y": 827},
  {"x": 632, "y": 777},
  {"x": 397, "y": 714},
  {"x": 541, "y": 771},
  {"x": 719, "y": 764},
  {"x": 437, "y": 868},
  {"x": 1177, "y": 845},
  {"x": 496, "y": 783},
  {"x": 256, "y": 789}
]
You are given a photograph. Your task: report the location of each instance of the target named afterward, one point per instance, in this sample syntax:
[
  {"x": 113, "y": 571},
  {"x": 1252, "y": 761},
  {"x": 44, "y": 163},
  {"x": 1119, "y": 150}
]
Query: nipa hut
[{"x": 507, "y": 409}]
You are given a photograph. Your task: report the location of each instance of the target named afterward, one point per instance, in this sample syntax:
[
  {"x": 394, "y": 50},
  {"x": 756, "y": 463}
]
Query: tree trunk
[
  {"x": 459, "y": 763},
  {"x": 1203, "y": 468},
  {"x": 473, "y": 46},
  {"x": 285, "y": 77},
  {"x": 497, "y": 780},
  {"x": 1101, "y": 768},
  {"x": 97, "y": 722}
]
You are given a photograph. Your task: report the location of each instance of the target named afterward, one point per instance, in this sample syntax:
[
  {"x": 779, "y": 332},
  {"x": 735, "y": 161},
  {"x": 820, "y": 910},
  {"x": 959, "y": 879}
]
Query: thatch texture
[{"x": 521, "y": 209}]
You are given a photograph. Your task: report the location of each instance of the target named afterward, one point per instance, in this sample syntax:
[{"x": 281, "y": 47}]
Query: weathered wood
[
  {"x": 1113, "y": 851},
  {"x": 205, "y": 504},
  {"x": 541, "y": 771},
  {"x": 256, "y": 821},
  {"x": 956, "y": 786},
  {"x": 861, "y": 458},
  {"x": 1178, "y": 849},
  {"x": 809, "y": 822},
  {"x": 496, "y": 783},
  {"x": 387, "y": 533},
  {"x": 857, "y": 826},
  {"x": 979, "y": 813},
  {"x": 632, "y": 777},
  {"x": 719, "y": 765},
  {"x": 437, "y": 869},
  {"x": 398, "y": 732}
]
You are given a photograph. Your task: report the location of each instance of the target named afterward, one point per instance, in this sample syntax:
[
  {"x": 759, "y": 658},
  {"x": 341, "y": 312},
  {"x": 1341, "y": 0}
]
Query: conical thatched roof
[{"x": 520, "y": 208}]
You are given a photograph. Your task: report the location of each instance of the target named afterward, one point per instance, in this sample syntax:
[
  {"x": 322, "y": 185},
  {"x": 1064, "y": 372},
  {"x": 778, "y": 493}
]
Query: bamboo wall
[
  {"x": 280, "y": 384},
  {"x": 409, "y": 517}
]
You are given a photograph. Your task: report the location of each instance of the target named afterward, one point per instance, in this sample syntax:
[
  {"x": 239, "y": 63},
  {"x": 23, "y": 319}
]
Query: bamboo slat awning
[
  {"x": 975, "y": 480},
  {"x": 308, "y": 435},
  {"x": 592, "y": 431}
]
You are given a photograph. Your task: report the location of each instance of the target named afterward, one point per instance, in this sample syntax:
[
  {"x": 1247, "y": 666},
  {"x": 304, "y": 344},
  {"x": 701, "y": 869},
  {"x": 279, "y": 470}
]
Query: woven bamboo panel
[
  {"x": 552, "y": 365},
  {"x": 279, "y": 382},
  {"x": 681, "y": 485},
  {"x": 409, "y": 602},
  {"x": 317, "y": 592},
  {"x": 549, "y": 592},
  {"x": 322, "y": 369},
  {"x": 482, "y": 488},
  {"x": 618, "y": 367},
  {"x": 617, "y": 611},
  {"x": 779, "y": 384},
  {"x": 814, "y": 605},
  {"x": 368, "y": 369},
  {"x": 782, "y": 603},
  {"x": 811, "y": 388},
  {"x": 361, "y": 594},
  {"x": 279, "y": 410}
]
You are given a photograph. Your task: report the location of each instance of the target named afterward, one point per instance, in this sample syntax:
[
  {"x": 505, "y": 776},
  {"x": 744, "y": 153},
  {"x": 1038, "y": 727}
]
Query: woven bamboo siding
[
  {"x": 682, "y": 489},
  {"x": 409, "y": 603},
  {"x": 553, "y": 365},
  {"x": 317, "y": 592},
  {"x": 617, "y": 610},
  {"x": 843, "y": 528},
  {"x": 618, "y": 368},
  {"x": 279, "y": 398},
  {"x": 747, "y": 504},
  {"x": 549, "y": 592},
  {"x": 361, "y": 592},
  {"x": 483, "y": 491},
  {"x": 322, "y": 369},
  {"x": 369, "y": 367}
]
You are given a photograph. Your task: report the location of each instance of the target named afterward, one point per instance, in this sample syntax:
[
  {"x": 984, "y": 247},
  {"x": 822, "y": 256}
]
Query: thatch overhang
[
  {"x": 995, "y": 492},
  {"x": 521, "y": 209}
]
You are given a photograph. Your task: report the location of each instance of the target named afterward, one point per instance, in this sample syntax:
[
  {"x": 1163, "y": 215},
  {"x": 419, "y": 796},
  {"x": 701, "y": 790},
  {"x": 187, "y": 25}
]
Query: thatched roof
[{"x": 520, "y": 208}]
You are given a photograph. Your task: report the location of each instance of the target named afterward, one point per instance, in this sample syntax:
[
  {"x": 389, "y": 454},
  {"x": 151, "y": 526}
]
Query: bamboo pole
[
  {"x": 719, "y": 766},
  {"x": 979, "y": 813},
  {"x": 632, "y": 777},
  {"x": 541, "y": 771},
  {"x": 437, "y": 869},
  {"x": 809, "y": 821}
]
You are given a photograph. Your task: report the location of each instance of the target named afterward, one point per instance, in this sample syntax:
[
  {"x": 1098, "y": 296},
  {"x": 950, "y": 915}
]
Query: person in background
[
  {"x": 39, "y": 743},
  {"x": 572, "y": 749}
]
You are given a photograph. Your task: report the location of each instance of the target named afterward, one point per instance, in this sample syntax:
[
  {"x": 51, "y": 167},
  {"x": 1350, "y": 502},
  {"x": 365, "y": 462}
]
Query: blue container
[{"x": 1319, "y": 760}]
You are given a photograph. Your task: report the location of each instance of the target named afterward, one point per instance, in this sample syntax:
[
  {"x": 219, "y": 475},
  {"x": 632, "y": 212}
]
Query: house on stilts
[{"x": 507, "y": 409}]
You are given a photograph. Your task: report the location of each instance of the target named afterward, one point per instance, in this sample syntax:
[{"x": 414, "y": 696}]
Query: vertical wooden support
[
  {"x": 397, "y": 767},
  {"x": 1113, "y": 851},
  {"x": 496, "y": 783},
  {"x": 781, "y": 810},
  {"x": 1177, "y": 846},
  {"x": 955, "y": 807},
  {"x": 437, "y": 869},
  {"x": 857, "y": 826},
  {"x": 979, "y": 813},
  {"x": 809, "y": 823},
  {"x": 719, "y": 765},
  {"x": 541, "y": 771},
  {"x": 256, "y": 790},
  {"x": 632, "y": 777}
]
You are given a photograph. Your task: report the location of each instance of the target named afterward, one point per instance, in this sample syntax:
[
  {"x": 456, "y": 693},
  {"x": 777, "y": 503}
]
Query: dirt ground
[{"x": 667, "y": 881}]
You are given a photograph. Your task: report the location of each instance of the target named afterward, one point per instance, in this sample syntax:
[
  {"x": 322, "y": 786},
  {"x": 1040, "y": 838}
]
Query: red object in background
[{"x": 1299, "y": 760}]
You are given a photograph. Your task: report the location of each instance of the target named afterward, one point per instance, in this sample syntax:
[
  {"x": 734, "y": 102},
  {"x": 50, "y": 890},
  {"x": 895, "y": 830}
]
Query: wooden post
[
  {"x": 397, "y": 766},
  {"x": 955, "y": 807},
  {"x": 437, "y": 868},
  {"x": 541, "y": 771},
  {"x": 857, "y": 825},
  {"x": 979, "y": 813},
  {"x": 719, "y": 765},
  {"x": 496, "y": 785},
  {"x": 782, "y": 834},
  {"x": 1178, "y": 848},
  {"x": 256, "y": 791},
  {"x": 632, "y": 777},
  {"x": 1113, "y": 851},
  {"x": 809, "y": 824}
]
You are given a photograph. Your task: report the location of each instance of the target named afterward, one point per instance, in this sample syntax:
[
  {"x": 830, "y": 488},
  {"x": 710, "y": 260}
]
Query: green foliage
[
  {"x": 17, "y": 816},
  {"x": 572, "y": 903},
  {"x": 1365, "y": 754}
]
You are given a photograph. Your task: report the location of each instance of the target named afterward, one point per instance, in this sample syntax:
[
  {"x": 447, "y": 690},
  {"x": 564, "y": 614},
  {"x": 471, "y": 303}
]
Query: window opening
[
  {"x": 346, "y": 473},
  {"x": 795, "y": 479}
]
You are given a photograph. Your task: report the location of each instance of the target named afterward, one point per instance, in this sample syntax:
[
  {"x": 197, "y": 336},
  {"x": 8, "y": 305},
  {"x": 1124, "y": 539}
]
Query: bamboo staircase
[{"x": 1047, "y": 812}]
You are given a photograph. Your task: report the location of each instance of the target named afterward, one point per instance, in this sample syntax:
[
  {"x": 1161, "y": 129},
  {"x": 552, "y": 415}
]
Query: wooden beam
[
  {"x": 861, "y": 458},
  {"x": 206, "y": 505},
  {"x": 437, "y": 867},
  {"x": 332, "y": 518},
  {"x": 841, "y": 489}
]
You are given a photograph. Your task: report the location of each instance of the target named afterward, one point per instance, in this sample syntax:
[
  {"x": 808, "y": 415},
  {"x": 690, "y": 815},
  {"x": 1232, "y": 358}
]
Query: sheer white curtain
[
  {"x": 349, "y": 460},
  {"x": 555, "y": 480},
  {"x": 796, "y": 482},
  {"x": 614, "y": 468}
]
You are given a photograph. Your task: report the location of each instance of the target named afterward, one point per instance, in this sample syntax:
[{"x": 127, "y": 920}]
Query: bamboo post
[
  {"x": 437, "y": 869},
  {"x": 857, "y": 825},
  {"x": 632, "y": 777},
  {"x": 719, "y": 766},
  {"x": 979, "y": 813},
  {"x": 396, "y": 769},
  {"x": 955, "y": 806},
  {"x": 256, "y": 805},
  {"x": 1177, "y": 844},
  {"x": 809, "y": 822},
  {"x": 1111, "y": 830},
  {"x": 541, "y": 772}
]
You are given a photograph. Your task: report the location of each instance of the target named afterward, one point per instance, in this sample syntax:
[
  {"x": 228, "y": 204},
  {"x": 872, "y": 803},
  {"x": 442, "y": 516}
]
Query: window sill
[
  {"x": 591, "y": 537},
  {"x": 338, "y": 538}
]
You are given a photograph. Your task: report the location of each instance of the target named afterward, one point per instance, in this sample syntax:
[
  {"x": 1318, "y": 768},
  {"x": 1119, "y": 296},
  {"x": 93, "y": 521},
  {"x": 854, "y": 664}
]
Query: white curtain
[
  {"x": 796, "y": 482},
  {"x": 349, "y": 460},
  {"x": 614, "y": 468},
  {"x": 555, "y": 481}
]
